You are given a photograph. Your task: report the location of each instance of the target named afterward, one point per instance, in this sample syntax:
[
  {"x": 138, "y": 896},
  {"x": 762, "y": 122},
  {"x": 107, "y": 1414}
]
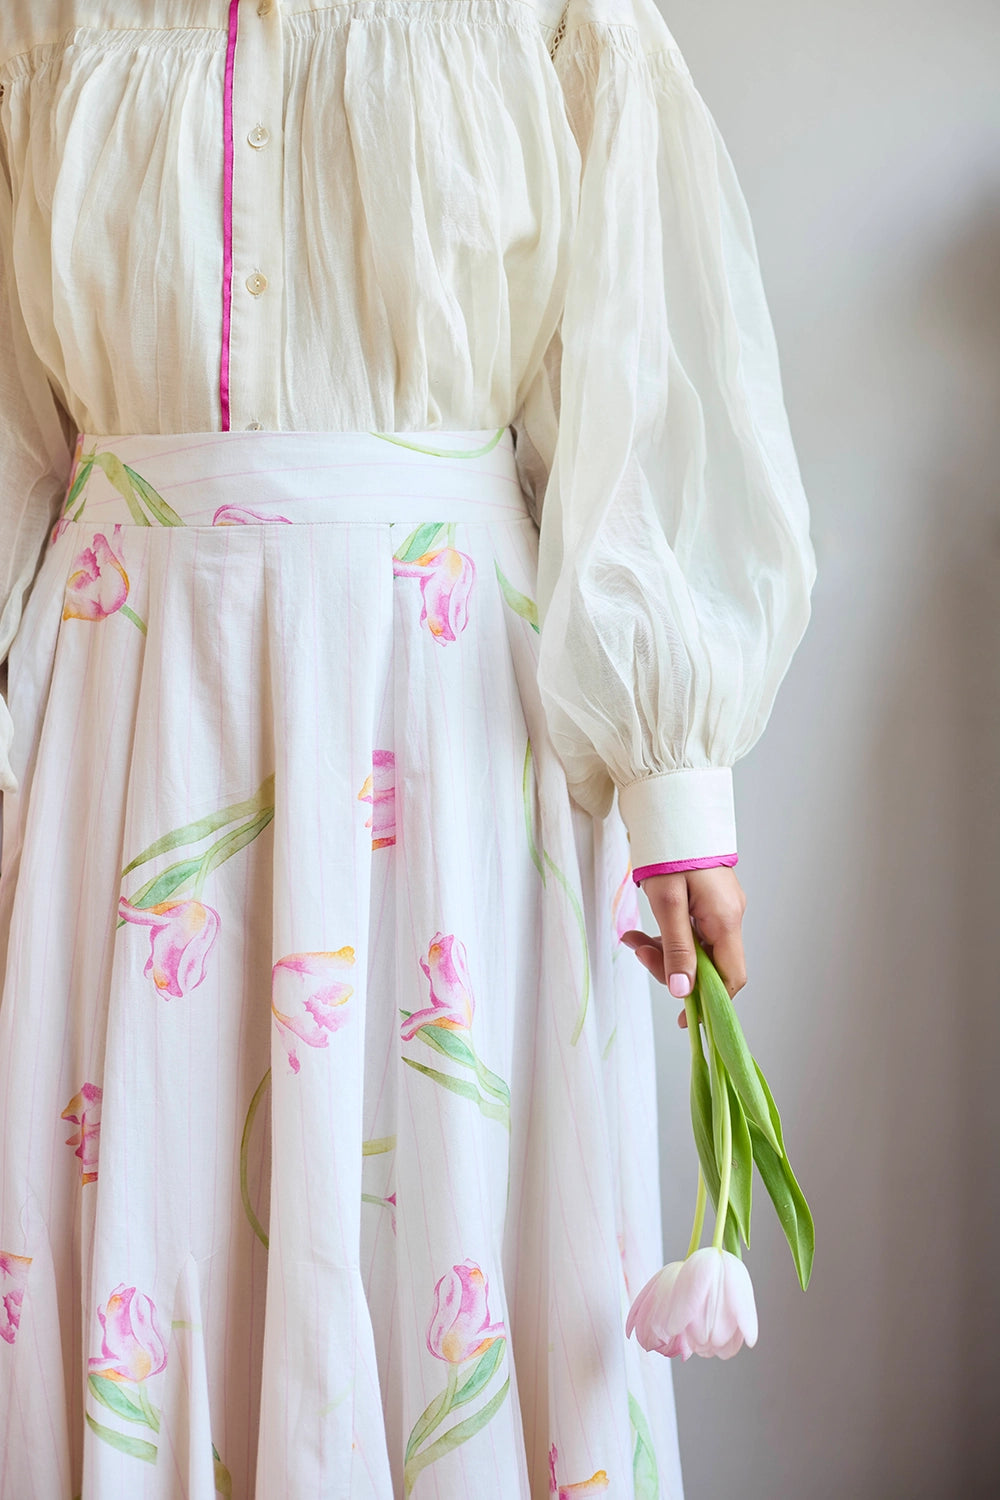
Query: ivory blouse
[{"x": 443, "y": 214}]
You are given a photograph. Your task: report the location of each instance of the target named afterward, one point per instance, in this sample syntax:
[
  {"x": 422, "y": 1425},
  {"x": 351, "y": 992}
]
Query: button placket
[{"x": 257, "y": 241}]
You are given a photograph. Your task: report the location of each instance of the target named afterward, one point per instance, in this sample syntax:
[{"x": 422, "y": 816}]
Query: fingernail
[{"x": 680, "y": 985}]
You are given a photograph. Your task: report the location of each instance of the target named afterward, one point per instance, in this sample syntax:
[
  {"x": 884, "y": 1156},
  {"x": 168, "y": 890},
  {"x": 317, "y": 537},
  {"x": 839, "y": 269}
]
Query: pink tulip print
[
  {"x": 597, "y": 1484},
  {"x": 84, "y": 1111},
  {"x": 380, "y": 790},
  {"x": 181, "y": 936},
  {"x": 460, "y": 1332},
  {"x": 451, "y": 993},
  {"x": 132, "y": 1346},
  {"x": 98, "y": 584},
  {"x": 308, "y": 998},
  {"x": 460, "y": 1327},
  {"x": 242, "y": 515},
  {"x": 446, "y": 579},
  {"x": 445, "y": 1026},
  {"x": 13, "y": 1282}
]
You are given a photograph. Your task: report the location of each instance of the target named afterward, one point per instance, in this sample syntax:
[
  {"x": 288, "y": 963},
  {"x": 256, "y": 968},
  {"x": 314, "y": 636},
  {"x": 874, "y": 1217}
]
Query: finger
[
  {"x": 726, "y": 953},
  {"x": 669, "y": 903}
]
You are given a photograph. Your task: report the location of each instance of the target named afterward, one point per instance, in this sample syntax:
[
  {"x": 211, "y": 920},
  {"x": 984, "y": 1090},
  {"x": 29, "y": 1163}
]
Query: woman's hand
[{"x": 710, "y": 902}]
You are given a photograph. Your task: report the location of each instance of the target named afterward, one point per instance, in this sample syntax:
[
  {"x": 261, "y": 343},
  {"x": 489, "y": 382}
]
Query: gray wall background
[{"x": 867, "y": 140}]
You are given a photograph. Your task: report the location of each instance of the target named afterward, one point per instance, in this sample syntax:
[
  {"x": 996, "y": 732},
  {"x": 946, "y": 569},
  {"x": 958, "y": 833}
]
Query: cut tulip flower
[{"x": 704, "y": 1304}]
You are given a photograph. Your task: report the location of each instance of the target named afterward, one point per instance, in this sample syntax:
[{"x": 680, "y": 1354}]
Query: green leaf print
[
  {"x": 421, "y": 541},
  {"x": 134, "y": 1447},
  {"x": 137, "y": 492},
  {"x": 378, "y": 1144},
  {"x": 492, "y": 1108},
  {"x": 391, "y": 437},
  {"x": 191, "y": 874},
  {"x": 248, "y": 1207},
  {"x": 111, "y": 1395},
  {"x": 193, "y": 833},
  {"x": 519, "y": 603},
  {"x": 645, "y": 1478},
  {"x": 452, "y": 1045},
  {"x": 82, "y": 475},
  {"x": 223, "y": 1478},
  {"x": 451, "y": 1439},
  {"x": 481, "y": 1373}
]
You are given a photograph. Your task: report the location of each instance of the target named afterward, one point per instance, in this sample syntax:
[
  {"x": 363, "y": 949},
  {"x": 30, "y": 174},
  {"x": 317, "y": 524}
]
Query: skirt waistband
[{"x": 249, "y": 478}]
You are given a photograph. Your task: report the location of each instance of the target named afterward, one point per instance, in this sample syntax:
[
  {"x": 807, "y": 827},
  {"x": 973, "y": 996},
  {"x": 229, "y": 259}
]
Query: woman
[{"x": 394, "y": 468}]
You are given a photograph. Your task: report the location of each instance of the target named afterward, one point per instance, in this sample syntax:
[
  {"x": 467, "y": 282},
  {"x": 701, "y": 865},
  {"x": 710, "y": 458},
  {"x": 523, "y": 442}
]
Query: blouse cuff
[
  {"x": 680, "y": 816},
  {"x": 672, "y": 867}
]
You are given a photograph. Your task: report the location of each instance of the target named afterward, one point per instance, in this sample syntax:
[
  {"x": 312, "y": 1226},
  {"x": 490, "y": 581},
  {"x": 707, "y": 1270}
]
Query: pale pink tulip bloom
[
  {"x": 132, "y": 1346},
  {"x": 597, "y": 1484},
  {"x": 181, "y": 936},
  {"x": 451, "y": 993},
  {"x": 703, "y": 1305},
  {"x": 242, "y": 515},
  {"x": 308, "y": 996},
  {"x": 380, "y": 790},
  {"x": 13, "y": 1281},
  {"x": 446, "y": 579},
  {"x": 84, "y": 1109},
  {"x": 98, "y": 584},
  {"x": 460, "y": 1326}
]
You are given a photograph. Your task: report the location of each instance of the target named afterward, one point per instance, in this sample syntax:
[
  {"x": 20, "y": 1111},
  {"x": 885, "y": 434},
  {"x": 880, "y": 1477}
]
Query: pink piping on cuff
[
  {"x": 708, "y": 863},
  {"x": 227, "y": 210}
]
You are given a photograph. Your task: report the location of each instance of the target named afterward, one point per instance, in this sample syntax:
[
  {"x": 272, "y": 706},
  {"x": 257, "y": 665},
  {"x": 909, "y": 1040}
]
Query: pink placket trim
[
  {"x": 227, "y": 210},
  {"x": 673, "y": 866}
]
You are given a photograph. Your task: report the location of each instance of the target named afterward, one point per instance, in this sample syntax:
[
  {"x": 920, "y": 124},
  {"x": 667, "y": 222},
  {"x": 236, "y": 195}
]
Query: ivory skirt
[{"x": 328, "y": 1145}]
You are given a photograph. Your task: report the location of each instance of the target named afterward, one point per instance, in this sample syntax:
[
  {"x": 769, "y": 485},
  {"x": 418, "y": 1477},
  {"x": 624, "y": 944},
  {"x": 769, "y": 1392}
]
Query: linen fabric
[
  {"x": 443, "y": 213},
  {"x": 328, "y": 1157}
]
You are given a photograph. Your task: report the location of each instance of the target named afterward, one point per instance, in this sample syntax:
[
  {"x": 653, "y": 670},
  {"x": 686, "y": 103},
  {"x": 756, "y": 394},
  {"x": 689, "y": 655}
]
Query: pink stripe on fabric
[
  {"x": 671, "y": 868},
  {"x": 227, "y": 210}
]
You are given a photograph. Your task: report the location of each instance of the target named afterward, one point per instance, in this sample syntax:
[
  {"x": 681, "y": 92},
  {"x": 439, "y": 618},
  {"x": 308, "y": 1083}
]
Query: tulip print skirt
[{"x": 328, "y": 1152}]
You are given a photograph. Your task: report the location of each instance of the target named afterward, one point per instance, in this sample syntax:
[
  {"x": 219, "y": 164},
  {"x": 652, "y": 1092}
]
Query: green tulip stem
[
  {"x": 699, "y": 1215},
  {"x": 726, "y": 1165}
]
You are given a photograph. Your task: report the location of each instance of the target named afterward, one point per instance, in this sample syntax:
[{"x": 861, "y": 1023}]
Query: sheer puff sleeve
[
  {"x": 35, "y": 456},
  {"x": 675, "y": 563}
]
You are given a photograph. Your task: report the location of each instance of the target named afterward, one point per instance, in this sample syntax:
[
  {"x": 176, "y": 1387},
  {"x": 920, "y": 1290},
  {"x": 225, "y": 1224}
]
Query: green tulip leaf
[
  {"x": 789, "y": 1201},
  {"x": 419, "y": 542},
  {"x": 448, "y": 1042},
  {"x": 482, "y": 1372},
  {"x": 233, "y": 842},
  {"x": 134, "y": 1447},
  {"x": 116, "y": 473},
  {"x": 701, "y": 1121},
  {"x": 110, "y": 1394},
  {"x": 519, "y": 603},
  {"x": 193, "y": 833},
  {"x": 82, "y": 475},
  {"x": 645, "y": 1478},
  {"x": 153, "y": 501},
  {"x": 741, "y": 1178},
  {"x": 223, "y": 1478},
  {"x": 730, "y": 1043},
  {"x": 169, "y": 881},
  {"x": 492, "y": 1108},
  {"x": 431, "y": 1416},
  {"x": 451, "y": 1439}
]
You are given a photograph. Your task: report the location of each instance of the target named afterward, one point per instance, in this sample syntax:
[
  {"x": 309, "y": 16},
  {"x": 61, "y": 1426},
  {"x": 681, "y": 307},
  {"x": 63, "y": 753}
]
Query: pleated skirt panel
[{"x": 328, "y": 1151}]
